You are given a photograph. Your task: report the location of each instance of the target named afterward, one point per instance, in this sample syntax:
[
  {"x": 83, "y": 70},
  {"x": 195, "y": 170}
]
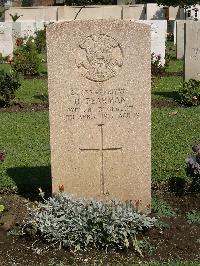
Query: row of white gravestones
[
  {"x": 28, "y": 28},
  {"x": 10, "y": 31},
  {"x": 68, "y": 13},
  {"x": 158, "y": 37}
]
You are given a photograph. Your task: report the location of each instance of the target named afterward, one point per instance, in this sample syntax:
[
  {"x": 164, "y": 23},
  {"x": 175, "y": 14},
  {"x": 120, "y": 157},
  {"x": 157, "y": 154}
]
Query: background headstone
[
  {"x": 180, "y": 39},
  {"x": 24, "y": 29},
  {"x": 193, "y": 12},
  {"x": 192, "y": 50},
  {"x": 99, "y": 93},
  {"x": 158, "y": 37},
  {"x": 44, "y": 13},
  {"x": 6, "y": 44},
  {"x": 174, "y": 32},
  {"x": 135, "y": 12},
  {"x": 155, "y": 12},
  {"x": 89, "y": 12}
]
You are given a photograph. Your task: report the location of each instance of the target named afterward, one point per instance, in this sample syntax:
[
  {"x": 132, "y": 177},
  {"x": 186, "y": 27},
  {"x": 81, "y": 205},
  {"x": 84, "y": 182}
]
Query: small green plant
[
  {"x": 27, "y": 60},
  {"x": 170, "y": 37},
  {"x": 147, "y": 246},
  {"x": 189, "y": 93},
  {"x": 9, "y": 83},
  {"x": 15, "y": 17},
  {"x": 193, "y": 217},
  {"x": 157, "y": 69},
  {"x": 78, "y": 223},
  {"x": 162, "y": 208}
]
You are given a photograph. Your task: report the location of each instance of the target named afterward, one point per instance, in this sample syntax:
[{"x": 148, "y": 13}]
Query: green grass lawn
[
  {"x": 25, "y": 139},
  {"x": 175, "y": 66},
  {"x": 32, "y": 91},
  {"x": 173, "y": 134},
  {"x": 166, "y": 88}
]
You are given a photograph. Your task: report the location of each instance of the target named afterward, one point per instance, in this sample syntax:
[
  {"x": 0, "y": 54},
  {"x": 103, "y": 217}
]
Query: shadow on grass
[
  {"x": 177, "y": 184},
  {"x": 29, "y": 179},
  {"x": 173, "y": 95}
]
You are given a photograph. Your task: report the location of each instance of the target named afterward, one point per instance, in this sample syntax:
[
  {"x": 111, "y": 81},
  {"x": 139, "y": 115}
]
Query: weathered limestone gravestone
[
  {"x": 192, "y": 50},
  {"x": 99, "y": 92},
  {"x": 6, "y": 44}
]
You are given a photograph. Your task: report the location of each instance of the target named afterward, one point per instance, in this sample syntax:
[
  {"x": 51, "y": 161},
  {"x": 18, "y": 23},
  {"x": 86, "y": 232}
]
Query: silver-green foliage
[{"x": 79, "y": 223}]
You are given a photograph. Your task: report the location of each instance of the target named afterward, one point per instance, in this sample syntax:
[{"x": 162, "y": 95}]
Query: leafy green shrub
[
  {"x": 9, "y": 83},
  {"x": 15, "y": 17},
  {"x": 79, "y": 223},
  {"x": 170, "y": 37},
  {"x": 40, "y": 41},
  {"x": 189, "y": 94},
  {"x": 162, "y": 208},
  {"x": 27, "y": 60},
  {"x": 157, "y": 69},
  {"x": 193, "y": 217}
]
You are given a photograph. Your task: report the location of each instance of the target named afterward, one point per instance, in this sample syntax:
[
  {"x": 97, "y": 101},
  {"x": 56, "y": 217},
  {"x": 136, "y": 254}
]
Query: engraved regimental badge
[{"x": 100, "y": 57}]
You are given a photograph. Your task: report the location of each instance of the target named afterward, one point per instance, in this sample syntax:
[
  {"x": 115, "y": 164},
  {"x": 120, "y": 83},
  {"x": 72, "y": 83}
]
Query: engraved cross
[{"x": 102, "y": 149}]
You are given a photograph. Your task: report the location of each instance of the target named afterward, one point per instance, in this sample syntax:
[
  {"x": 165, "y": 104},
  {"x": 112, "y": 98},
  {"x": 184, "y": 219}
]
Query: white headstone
[
  {"x": 158, "y": 37},
  {"x": 180, "y": 39},
  {"x": 155, "y": 12},
  {"x": 6, "y": 44},
  {"x": 24, "y": 29},
  {"x": 193, "y": 13},
  {"x": 136, "y": 12},
  {"x": 174, "y": 32},
  {"x": 89, "y": 12}
]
